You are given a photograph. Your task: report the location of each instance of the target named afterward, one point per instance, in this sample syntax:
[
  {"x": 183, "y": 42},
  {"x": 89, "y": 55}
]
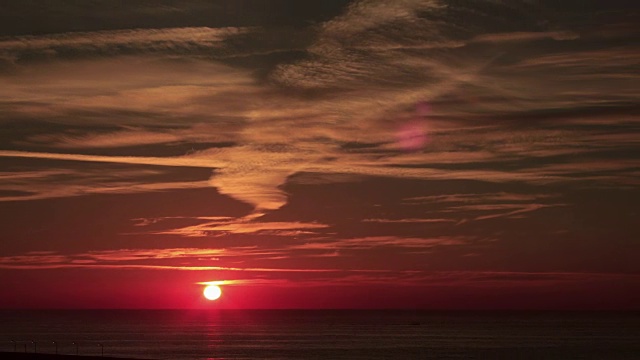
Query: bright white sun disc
[{"x": 212, "y": 292}]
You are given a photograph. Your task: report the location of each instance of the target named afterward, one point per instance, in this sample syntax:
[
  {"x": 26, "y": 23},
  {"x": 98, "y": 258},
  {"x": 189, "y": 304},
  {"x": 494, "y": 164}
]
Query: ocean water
[{"x": 324, "y": 334}]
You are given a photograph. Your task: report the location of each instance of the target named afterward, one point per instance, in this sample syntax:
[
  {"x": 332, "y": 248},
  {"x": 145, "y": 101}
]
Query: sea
[{"x": 323, "y": 334}]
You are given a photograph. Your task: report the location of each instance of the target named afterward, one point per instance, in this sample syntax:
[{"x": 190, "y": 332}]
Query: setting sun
[{"x": 212, "y": 292}]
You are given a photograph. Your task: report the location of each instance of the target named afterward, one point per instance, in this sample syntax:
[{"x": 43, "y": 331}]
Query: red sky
[{"x": 364, "y": 154}]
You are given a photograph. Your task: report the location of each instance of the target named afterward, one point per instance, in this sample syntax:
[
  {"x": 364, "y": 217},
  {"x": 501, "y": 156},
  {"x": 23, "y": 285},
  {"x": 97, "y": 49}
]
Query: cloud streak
[
  {"x": 241, "y": 276},
  {"x": 235, "y": 226},
  {"x": 379, "y": 241},
  {"x": 150, "y": 259},
  {"x": 177, "y": 40}
]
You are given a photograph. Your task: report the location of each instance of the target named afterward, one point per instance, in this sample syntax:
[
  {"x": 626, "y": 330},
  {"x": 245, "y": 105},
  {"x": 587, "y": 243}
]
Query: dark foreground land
[
  {"x": 485, "y": 354},
  {"x": 32, "y": 356}
]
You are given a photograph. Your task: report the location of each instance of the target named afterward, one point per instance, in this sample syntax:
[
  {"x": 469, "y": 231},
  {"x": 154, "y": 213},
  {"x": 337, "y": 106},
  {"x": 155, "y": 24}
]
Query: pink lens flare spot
[{"x": 412, "y": 136}]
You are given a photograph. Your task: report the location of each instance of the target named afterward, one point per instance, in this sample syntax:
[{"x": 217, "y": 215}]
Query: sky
[{"x": 431, "y": 154}]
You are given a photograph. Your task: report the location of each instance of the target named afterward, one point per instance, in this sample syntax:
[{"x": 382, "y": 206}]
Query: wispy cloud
[
  {"x": 177, "y": 40},
  {"x": 466, "y": 279},
  {"x": 484, "y": 206},
  {"x": 408, "y": 220},
  {"x": 181, "y": 259},
  {"x": 466, "y": 198},
  {"x": 359, "y": 96},
  {"x": 81, "y": 265},
  {"x": 622, "y": 56},
  {"x": 150, "y": 259},
  {"x": 68, "y": 182},
  {"x": 244, "y": 227},
  {"x": 379, "y": 241},
  {"x": 184, "y": 161},
  {"x": 504, "y": 210},
  {"x": 150, "y": 221},
  {"x": 526, "y": 36},
  {"x": 246, "y": 282},
  {"x": 199, "y": 133}
]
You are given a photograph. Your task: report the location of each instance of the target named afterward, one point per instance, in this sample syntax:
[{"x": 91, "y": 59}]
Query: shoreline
[{"x": 45, "y": 356}]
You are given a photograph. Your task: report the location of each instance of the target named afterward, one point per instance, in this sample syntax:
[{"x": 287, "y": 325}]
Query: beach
[{"x": 37, "y": 356}]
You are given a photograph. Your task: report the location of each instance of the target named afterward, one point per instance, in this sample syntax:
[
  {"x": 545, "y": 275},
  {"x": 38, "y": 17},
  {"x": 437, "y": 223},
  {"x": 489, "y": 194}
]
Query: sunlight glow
[{"x": 212, "y": 292}]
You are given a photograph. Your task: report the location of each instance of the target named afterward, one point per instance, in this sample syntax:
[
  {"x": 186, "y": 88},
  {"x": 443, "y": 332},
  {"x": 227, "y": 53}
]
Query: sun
[{"x": 212, "y": 292}]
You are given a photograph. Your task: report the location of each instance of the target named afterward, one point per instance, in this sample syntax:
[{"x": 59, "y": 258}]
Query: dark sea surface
[{"x": 324, "y": 334}]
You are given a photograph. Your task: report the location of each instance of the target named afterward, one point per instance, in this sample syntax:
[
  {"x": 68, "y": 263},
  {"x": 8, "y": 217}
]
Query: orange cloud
[
  {"x": 378, "y": 241},
  {"x": 243, "y": 227},
  {"x": 119, "y": 41}
]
